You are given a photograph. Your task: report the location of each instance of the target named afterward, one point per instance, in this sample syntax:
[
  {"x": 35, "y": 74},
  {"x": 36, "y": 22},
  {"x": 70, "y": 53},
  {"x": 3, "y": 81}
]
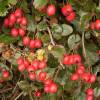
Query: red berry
[
  {"x": 71, "y": 59},
  {"x": 6, "y": 22},
  {"x": 80, "y": 70},
  {"x": 48, "y": 81},
  {"x": 26, "y": 63},
  {"x": 92, "y": 25},
  {"x": 66, "y": 10},
  {"x": 12, "y": 18},
  {"x": 99, "y": 52},
  {"x": 47, "y": 89},
  {"x": 42, "y": 76},
  {"x": 32, "y": 44},
  {"x": 53, "y": 88},
  {"x": 23, "y": 21},
  {"x": 35, "y": 64},
  {"x": 74, "y": 77},
  {"x": 92, "y": 78},
  {"x": 21, "y": 32},
  {"x": 38, "y": 43},
  {"x": 51, "y": 10},
  {"x": 37, "y": 94},
  {"x": 18, "y": 20},
  {"x": 86, "y": 77},
  {"x": 21, "y": 67},
  {"x": 77, "y": 58},
  {"x": 42, "y": 65},
  {"x": 90, "y": 91},
  {"x": 71, "y": 16},
  {"x": 32, "y": 76},
  {"x": 20, "y": 61},
  {"x": 18, "y": 12},
  {"x": 89, "y": 97},
  {"x": 14, "y": 32},
  {"x": 5, "y": 74},
  {"x": 66, "y": 59},
  {"x": 26, "y": 41},
  {"x": 97, "y": 24},
  {"x": 30, "y": 68}
]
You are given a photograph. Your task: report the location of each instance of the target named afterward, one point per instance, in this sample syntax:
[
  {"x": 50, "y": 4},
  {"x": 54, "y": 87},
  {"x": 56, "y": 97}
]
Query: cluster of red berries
[
  {"x": 5, "y": 75},
  {"x": 95, "y": 25},
  {"x": 16, "y": 18},
  {"x": 31, "y": 68},
  {"x": 80, "y": 71},
  {"x": 68, "y": 12}
]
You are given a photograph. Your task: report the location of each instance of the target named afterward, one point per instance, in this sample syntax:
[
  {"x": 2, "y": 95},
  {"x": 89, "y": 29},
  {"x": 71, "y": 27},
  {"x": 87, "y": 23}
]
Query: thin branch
[{"x": 18, "y": 96}]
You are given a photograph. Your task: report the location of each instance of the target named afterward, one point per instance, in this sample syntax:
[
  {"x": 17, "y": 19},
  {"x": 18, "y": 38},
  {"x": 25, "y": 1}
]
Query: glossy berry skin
[
  {"x": 51, "y": 10},
  {"x": 20, "y": 61},
  {"x": 26, "y": 63},
  {"x": 97, "y": 24},
  {"x": 18, "y": 20},
  {"x": 38, "y": 43},
  {"x": 14, "y": 32},
  {"x": 23, "y": 21},
  {"x": 5, "y": 74},
  {"x": 67, "y": 9},
  {"x": 48, "y": 82},
  {"x": 71, "y": 59},
  {"x": 53, "y": 88},
  {"x": 30, "y": 68},
  {"x": 35, "y": 64},
  {"x": 47, "y": 89},
  {"x": 90, "y": 91},
  {"x": 12, "y": 18},
  {"x": 18, "y": 12},
  {"x": 21, "y": 67},
  {"x": 32, "y": 44},
  {"x": 42, "y": 65},
  {"x": 37, "y": 94},
  {"x": 42, "y": 76},
  {"x": 77, "y": 58},
  {"x": 86, "y": 77},
  {"x": 6, "y": 22},
  {"x": 32, "y": 76},
  {"x": 71, "y": 17},
  {"x": 80, "y": 70},
  {"x": 89, "y": 97},
  {"x": 26, "y": 41},
  {"x": 21, "y": 32},
  {"x": 74, "y": 77},
  {"x": 92, "y": 25},
  {"x": 92, "y": 78}
]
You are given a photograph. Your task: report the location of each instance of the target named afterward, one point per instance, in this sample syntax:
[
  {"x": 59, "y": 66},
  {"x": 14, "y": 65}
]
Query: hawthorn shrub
[{"x": 49, "y": 49}]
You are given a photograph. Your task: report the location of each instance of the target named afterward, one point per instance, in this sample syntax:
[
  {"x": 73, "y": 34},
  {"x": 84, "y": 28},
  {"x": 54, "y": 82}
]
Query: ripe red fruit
[
  {"x": 37, "y": 94},
  {"x": 89, "y": 97},
  {"x": 47, "y": 89},
  {"x": 71, "y": 16},
  {"x": 86, "y": 77},
  {"x": 67, "y": 9},
  {"x": 35, "y": 64},
  {"x": 97, "y": 24},
  {"x": 32, "y": 76},
  {"x": 51, "y": 10},
  {"x": 77, "y": 58},
  {"x": 18, "y": 12},
  {"x": 42, "y": 65},
  {"x": 71, "y": 59},
  {"x": 53, "y": 88},
  {"x": 92, "y": 25},
  {"x": 30, "y": 68},
  {"x": 32, "y": 44},
  {"x": 18, "y": 20},
  {"x": 20, "y": 61},
  {"x": 90, "y": 91},
  {"x": 14, "y": 32},
  {"x": 12, "y": 18},
  {"x": 21, "y": 32},
  {"x": 23, "y": 21},
  {"x": 48, "y": 81},
  {"x": 6, "y": 22},
  {"x": 80, "y": 70},
  {"x": 26, "y": 63},
  {"x": 66, "y": 59},
  {"x": 5, "y": 74},
  {"x": 99, "y": 52},
  {"x": 26, "y": 41},
  {"x": 74, "y": 77},
  {"x": 92, "y": 78},
  {"x": 42, "y": 76},
  {"x": 21, "y": 67},
  {"x": 38, "y": 43}
]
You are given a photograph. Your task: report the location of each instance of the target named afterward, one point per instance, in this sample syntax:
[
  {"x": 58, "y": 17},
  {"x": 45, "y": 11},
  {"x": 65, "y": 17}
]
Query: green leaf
[
  {"x": 73, "y": 40},
  {"x": 58, "y": 51},
  {"x": 12, "y": 2},
  {"x": 67, "y": 30},
  {"x": 40, "y": 3},
  {"x": 97, "y": 91},
  {"x": 56, "y": 28},
  {"x": 7, "y": 39}
]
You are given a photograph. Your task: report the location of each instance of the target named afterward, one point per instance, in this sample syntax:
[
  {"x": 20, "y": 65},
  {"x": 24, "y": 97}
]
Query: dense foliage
[{"x": 50, "y": 49}]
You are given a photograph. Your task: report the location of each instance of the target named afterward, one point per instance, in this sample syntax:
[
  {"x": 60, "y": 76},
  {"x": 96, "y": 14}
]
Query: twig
[
  {"x": 5, "y": 90},
  {"x": 18, "y": 96}
]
